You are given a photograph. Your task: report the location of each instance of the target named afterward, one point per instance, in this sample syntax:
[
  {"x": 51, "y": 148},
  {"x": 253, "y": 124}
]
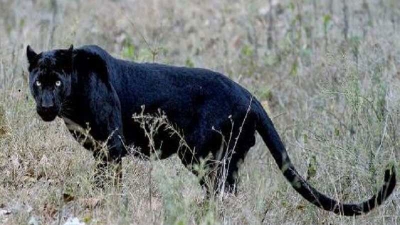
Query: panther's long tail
[{"x": 278, "y": 151}]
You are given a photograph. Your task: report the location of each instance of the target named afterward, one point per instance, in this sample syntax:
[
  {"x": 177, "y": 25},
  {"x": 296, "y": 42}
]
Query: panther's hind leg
[
  {"x": 106, "y": 169},
  {"x": 220, "y": 174},
  {"x": 200, "y": 158},
  {"x": 227, "y": 175},
  {"x": 197, "y": 164}
]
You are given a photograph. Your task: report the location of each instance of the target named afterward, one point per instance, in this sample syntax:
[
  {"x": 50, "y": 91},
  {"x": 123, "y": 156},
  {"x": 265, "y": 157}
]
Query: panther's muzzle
[{"x": 47, "y": 114}]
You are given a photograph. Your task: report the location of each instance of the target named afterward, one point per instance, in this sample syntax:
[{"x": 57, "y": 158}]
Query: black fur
[{"x": 214, "y": 114}]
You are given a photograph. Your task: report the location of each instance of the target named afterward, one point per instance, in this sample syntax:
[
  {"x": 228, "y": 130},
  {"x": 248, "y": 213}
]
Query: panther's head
[{"x": 50, "y": 80}]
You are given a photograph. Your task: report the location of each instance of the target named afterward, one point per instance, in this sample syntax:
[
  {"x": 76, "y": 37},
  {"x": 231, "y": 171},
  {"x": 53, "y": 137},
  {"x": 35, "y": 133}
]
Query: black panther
[{"x": 91, "y": 90}]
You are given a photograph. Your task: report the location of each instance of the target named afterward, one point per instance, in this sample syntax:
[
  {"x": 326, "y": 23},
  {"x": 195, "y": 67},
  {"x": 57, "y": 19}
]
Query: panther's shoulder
[
  {"x": 92, "y": 59},
  {"x": 91, "y": 50}
]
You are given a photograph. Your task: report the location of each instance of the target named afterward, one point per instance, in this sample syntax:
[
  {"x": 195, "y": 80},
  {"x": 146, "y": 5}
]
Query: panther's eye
[
  {"x": 38, "y": 83},
  {"x": 58, "y": 83}
]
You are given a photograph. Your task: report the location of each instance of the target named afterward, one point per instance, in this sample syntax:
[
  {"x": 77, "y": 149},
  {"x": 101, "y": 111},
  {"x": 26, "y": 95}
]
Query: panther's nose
[
  {"x": 47, "y": 102},
  {"x": 47, "y": 105}
]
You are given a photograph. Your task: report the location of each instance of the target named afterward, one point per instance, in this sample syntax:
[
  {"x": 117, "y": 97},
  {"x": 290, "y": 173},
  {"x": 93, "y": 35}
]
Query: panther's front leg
[
  {"x": 108, "y": 154},
  {"x": 105, "y": 125},
  {"x": 106, "y": 169},
  {"x": 106, "y": 145}
]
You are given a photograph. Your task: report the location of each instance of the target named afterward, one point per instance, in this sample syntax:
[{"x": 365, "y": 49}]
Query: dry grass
[{"x": 328, "y": 73}]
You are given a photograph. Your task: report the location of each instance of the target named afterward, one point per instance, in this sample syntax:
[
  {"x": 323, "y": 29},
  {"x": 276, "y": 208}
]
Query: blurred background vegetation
[{"x": 326, "y": 71}]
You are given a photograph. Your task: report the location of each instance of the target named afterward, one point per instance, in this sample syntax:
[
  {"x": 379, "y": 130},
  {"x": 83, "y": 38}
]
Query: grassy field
[{"x": 328, "y": 73}]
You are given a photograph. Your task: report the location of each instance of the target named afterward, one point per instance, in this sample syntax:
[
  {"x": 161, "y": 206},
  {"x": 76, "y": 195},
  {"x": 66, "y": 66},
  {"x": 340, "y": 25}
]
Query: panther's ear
[
  {"x": 31, "y": 55},
  {"x": 69, "y": 58},
  {"x": 71, "y": 48}
]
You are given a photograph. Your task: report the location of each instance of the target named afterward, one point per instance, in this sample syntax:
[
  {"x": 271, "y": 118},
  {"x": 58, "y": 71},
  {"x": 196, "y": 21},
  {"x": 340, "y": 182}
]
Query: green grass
[{"x": 333, "y": 94}]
